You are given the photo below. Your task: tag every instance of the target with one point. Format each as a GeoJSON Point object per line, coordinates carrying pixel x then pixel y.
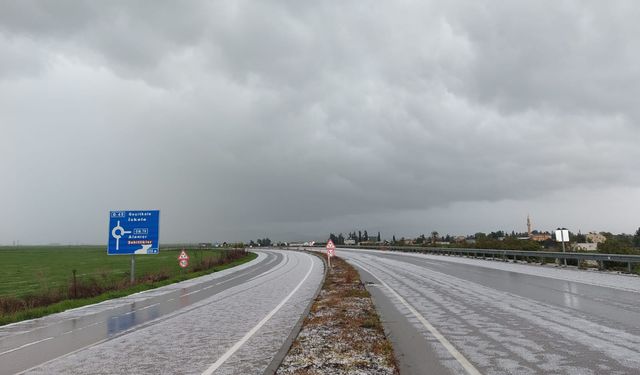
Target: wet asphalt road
{"type": "Point", "coordinates": [490, 317]}
{"type": "Point", "coordinates": [233, 321]}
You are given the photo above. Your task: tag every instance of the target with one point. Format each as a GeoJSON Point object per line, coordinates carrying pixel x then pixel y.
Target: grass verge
{"type": "Point", "coordinates": [147, 282]}
{"type": "Point", "coordinates": [342, 333]}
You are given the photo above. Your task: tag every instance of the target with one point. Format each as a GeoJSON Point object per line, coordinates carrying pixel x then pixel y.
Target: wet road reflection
{"type": "Point", "coordinates": [28, 344]}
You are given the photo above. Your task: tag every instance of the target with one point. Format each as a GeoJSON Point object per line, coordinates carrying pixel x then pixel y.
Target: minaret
{"type": "Point", "coordinates": [528, 225]}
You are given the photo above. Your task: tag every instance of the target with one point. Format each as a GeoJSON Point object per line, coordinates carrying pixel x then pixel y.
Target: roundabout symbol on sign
{"type": "Point", "coordinates": [117, 232]}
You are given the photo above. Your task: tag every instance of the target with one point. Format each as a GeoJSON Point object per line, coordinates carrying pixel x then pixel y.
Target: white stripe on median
{"type": "Point", "coordinates": [471, 370]}
{"type": "Point", "coordinates": [255, 329]}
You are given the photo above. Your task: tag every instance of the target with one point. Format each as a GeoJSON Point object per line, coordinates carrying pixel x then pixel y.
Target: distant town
{"type": "Point", "coordinates": [532, 240]}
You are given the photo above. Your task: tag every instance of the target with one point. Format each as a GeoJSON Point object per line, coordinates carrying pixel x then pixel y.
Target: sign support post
{"type": "Point", "coordinates": [133, 268]}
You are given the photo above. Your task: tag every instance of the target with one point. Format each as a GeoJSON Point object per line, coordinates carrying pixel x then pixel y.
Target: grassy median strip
{"type": "Point", "coordinates": [107, 283]}
{"type": "Point", "coordinates": [342, 333]}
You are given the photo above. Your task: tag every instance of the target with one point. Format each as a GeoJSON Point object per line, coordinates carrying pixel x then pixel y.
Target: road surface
{"type": "Point", "coordinates": [230, 322]}
{"type": "Point", "coordinates": [449, 315]}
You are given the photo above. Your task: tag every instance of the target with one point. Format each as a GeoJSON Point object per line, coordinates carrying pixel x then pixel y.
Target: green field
{"type": "Point", "coordinates": [29, 269]}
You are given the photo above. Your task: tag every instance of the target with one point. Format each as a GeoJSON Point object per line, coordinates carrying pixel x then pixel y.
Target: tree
{"type": "Point", "coordinates": [434, 237]}
{"type": "Point", "coordinates": [394, 238]}
{"type": "Point", "coordinates": [359, 236]}
{"type": "Point", "coordinates": [480, 236]}
{"type": "Point", "coordinates": [264, 242]}
{"type": "Point", "coordinates": [365, 236]}
{"type": "Point", "coordinates": [578, 237]}
{"type": "Point", "coordinates": [616, 245]}
{"type": "Point", "coordinates": [381, 239]}
{"type": "Point", "coordinates": [636, 238]}
{"type": "Point", "coordinates": [340, 239]}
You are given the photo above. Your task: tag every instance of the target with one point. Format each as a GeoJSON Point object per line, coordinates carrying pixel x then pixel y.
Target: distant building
{"type": "Point", "coordinates": [459, 239]}
{"type": "Point", "coordinates": [584, 246]}
{"type": "Point", "coordinates": [350, 242]}
{"type": "Point", "coordinates": [406, 241]}
{"type": "Point", "coordinates": [540, 236]}
{"type": "Point", "coordinates": [205, 245]}
{"type": "Point", "coordinates": [595, 237]}
{"type": "Point", "coordinates": [535, 235]}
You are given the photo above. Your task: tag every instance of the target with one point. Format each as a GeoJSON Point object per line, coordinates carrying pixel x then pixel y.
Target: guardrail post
{"type": "Point", "coordinates": [629, 266]}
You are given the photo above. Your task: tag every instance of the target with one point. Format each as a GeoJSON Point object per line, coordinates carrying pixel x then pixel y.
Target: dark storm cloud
{"type": "Point", "coordinates": [240, 119]}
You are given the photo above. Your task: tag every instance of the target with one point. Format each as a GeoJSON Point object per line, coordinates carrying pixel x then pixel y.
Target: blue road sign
{"type": "Point", "coordinates": [133, 232]}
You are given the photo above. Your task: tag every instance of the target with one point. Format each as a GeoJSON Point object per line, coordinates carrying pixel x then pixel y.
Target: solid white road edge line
{"type": "Point", "coordinates": [450, 348]}
{"type": "Point", "coordinates": [25, 345]}
{"type": "Point", "coordinates": [255, 329]}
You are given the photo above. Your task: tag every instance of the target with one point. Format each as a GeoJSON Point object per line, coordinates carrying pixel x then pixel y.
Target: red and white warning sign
{"type": "Point", "coordinates": [183, 259]}
{"type": "Point", "coordinates": [331, 248]}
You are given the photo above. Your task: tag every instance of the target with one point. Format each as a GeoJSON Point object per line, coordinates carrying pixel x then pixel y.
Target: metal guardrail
{"type": "Point", "coordinates": [506, 254]}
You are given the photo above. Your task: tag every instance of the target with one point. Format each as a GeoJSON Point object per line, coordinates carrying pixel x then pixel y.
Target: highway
{"type": "Point", "coordinates": [230, 322]}
{"type": "Point", "coordinates": [450, 315]}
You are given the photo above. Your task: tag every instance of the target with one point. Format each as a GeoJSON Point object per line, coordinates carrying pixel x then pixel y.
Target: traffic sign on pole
{"type": "Point", "coordinates": [331, 251]}
{"type": "Point", "coordinates": [133, 232]}
{"type": "Point", "coordinates": [183, 255]}
{"type": "Point", "coordinates": [183, 259]}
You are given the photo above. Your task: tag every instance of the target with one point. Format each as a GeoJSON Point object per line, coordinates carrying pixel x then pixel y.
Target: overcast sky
{"type": "Point", "coordinates": [293, 119]}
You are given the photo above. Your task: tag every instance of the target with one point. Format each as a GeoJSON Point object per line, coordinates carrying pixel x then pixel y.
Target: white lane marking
{"type": "Point", "coordinates": [90, 325]}
{"type": "Point", "coordinates": [190, 293]}
{"type": "Point", "coordinates": [255, 329]}
{"type": "Point", "coordinates": [450, 348]}
{"type": "Point", "coordinates": [148, 307]}
{"type": "Point", "coordinates": [280, 265]}
{"type": "Point", "coordinates": [25, 345]}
